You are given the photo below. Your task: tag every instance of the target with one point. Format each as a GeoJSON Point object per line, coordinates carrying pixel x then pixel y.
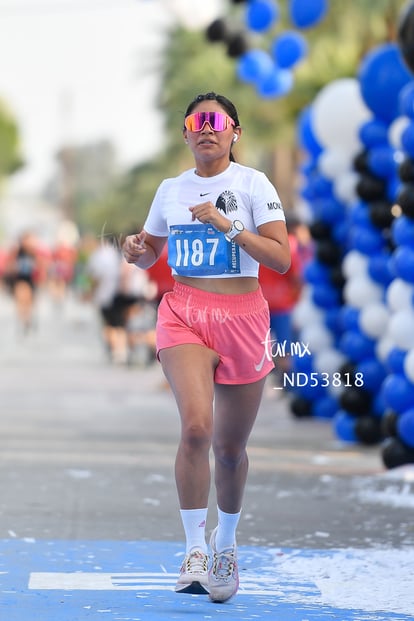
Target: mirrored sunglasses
{"type": "Point", "coordinates": [217, 121]}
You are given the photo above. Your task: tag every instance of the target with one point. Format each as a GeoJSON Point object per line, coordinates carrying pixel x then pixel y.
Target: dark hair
{"type": "Point", "coordinates": [225, 103]}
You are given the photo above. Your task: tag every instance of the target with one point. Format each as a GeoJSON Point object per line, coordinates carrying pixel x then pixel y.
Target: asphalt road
{"type": "Point", "coordinates": [87, 452]}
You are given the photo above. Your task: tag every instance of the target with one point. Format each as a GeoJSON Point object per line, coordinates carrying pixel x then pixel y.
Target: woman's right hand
{"type": "Point", "coordinates": [134, 247]}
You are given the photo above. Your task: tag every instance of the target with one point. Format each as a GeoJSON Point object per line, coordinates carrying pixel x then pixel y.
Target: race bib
{"type": "Point", "coordinates": [201, 250]}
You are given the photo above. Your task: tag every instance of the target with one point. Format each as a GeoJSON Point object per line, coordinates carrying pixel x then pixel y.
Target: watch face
{"type": "Point", "coordinates": [239, 226]}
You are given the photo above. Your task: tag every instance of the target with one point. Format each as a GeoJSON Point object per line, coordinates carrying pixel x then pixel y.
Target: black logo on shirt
{"type": "Point", "coordinates": [204, 193]}
{"type": "Point", "coordinates": [227, 202]}
{"type": "Point", "coordinates": [274, 205]}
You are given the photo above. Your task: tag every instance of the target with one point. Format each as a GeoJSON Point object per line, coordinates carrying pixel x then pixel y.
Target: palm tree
{"type": "Point", "coordinates": [191, 65]}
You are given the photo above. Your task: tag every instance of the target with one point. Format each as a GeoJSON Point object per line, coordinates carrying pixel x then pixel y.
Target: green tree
{"type": "Point", "coordinates": [10, 156]}
{"type": "Point", "coordinates": [192, 65]}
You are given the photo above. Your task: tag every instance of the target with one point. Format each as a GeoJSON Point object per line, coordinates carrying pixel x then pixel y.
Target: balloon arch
{"type": "Point", "coordinates": [357, 310]}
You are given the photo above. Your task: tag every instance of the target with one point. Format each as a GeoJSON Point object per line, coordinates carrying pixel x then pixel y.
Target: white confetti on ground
{"type": "Point", "coordinates": [394, 488]}
{"type": "Point", "coordinates": [369, 580]}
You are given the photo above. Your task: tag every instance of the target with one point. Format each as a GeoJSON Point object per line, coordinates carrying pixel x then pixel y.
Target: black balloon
{"type": "Point", "coordinates": [406, 34]}
{"type": "Point", "coordinates": [405, 199]}
{"type": "Point", "coordinates": [328, 252]}
{"type": "Point", "coordinates": [320, 230]}
{"type": "Point", "coordinates": [395, 454]}
{"type": "Point", "coordinates": [217, 30]}
{"type": "Point", "coordinates": [301, 407]}
{"type": "Point", "coordinates": [406, 170]}
{"type": "Point", "coordinates": [371, 188]}
{"type": "Point", "coordinates": [348, 369]}
{"type": "Point", "coordinates": [389, 424]}
{"type": "Point", "coordinates": [361, 162]}
{"type": "Point", "coordinates": [380, 214]}
{"type": "Point", "coordinates": [336, 276]}
{"type": "Point", "coordinates": [356, 401]}
{"type": "Point", "coordinates": [368, 430]}
{"type": "Point", "coordinates": [237, 45]}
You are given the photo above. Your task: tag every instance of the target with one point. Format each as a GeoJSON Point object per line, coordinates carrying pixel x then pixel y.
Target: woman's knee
{"type": "Point", "coordinates": [196, 436]}
{"type": "Point", "coordinates": [230, 455]}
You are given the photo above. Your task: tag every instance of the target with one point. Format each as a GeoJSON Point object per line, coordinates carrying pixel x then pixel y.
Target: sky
{"type": "Point", "coordinates": [77, 71]}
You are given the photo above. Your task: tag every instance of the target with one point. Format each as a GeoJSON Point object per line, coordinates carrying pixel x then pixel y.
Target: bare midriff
{"type": "Point", "coordinates": [226, 286]}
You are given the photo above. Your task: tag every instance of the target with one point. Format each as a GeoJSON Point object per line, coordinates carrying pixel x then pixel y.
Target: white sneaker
{"type": "Point", "coordinates": [223, 577]}
{"type": "Point", "coordinates": [193, 574]}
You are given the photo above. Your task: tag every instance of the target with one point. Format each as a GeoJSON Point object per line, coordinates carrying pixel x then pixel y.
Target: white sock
{"type": "Point", "coordinates": [194, 522]}
{"type": "Point", "coordinates": [226, 532]}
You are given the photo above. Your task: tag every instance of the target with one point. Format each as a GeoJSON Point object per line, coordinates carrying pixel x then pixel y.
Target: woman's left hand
{"type": "Point", "coordinates": [209, 214]}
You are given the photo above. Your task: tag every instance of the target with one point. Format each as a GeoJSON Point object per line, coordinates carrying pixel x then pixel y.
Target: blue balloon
{"type": "Point", "coordinates": [366, 239]}
{"type": "Point", "coordinates": [398, 392]}
{"type": "Point", "coordinates": [329, 210]}
{"type": "Point", "coordinates": [382, 75]}
{"type": "Point", "coordinates": [305, 14]}
{"type": "Point", "coordinates": [378, 407]}
{"type": "Point", "coordinates": [308, 390]}
{"type": "Point", "coordinates": [325, 407]}
{"type": "Point", "coordinates": [349, 318]}
{"type": "Point", "coordinates": [360, 214]}
{"type": "Point", "coordinates": [405, 427]}
{"type": "Point", "coordinates": [254, 65]}
{"type": "Point", "coordinates": [379, 268]}
{"type": "Point", "coordinates": [373, 373]}
{"type": "Point", "coordinates": [308, 166]}
{"type": "Point", "coordinates": [316, 273]}
{"type": "Point", "coordinates": [374, 133]}
{"type": "Point", "coordinates": [344, 426]}
{"type": "Point", "coordinates": [340, 232]}
{"type": "Point", "coordinates": [319, 185]}
{"type": "Point", "coordinates": [326, 296]}
{"type": "Point", "coordinates": [406, 100]}
{"type": "Point", "coordinates": [382, 161]}
{"type": "Point", "coordinates": [403, 263]}
{"type": "Point", "coordinates": [261, 14]}
{"type": "Point", "coordinates": [393, 187]}
{"type": "Point", "coordinates": [302, 365]}
{"type": "Point", "coordinates": [356, 346]}
{"type": "Point", "coordinates": [395, 360]}
{"type": "Point", "coordinates": [289, 48]}
{"type": "Point", "coordinates": [333, 319]}
{"type": "Point", "coordinates": [322, 185]}
{"type": "Point", "coordinates": [407, 139]}
{"type": "Point", "coordinates": [402, 230]}
{"type": "Point", "coordinates": [277, 83]}
{"type": "Point", "coordinates": [306, 136]}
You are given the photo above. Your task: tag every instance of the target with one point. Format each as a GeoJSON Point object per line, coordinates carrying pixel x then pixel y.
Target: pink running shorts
{"type": "Point", "coordinates": [234, 326]}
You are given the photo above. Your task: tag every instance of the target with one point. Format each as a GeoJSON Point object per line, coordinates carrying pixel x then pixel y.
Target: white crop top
{"type": "Point", "coordinates": [199, 250]}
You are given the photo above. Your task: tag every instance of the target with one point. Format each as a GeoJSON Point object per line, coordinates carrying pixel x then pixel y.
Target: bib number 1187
{"type": "Point", "coordinates": [201, 250]}
{"type": "Point", "coordinates": [192, 252]}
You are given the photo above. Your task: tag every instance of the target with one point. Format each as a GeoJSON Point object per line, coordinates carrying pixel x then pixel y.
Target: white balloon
{"type": "Point", "coordinates": [373, 319]}
{"type": "Point", "coordinates": [328, 361]}
{"type": "Point", "coordinates": [396, 129]}
{"type": "Point", "coordinates": [195, 18]}
{"type": "Point", "coordinates": [306, 312]}
{"type": "Point", "coordinates": [333, 163]}
{"type": "Point", "coordinates": [345, 187]}
{"type": "Point", "coordinates": [360, 291]}
{"type": "Point", "coordinates": [303, 211]}
{"type": "Point", "coordinates": [401, 329]}
{"type": "Point", "coordinates": [409, 365]}
{"type": "Point", "coordinates": [400, 294]}
{"type": "Point", "coordinates": [337, 113]}
{"type": "Point", "coordinates": [383, 347]}
{"type": "Point", "coordinates": [354, 264]}
{"type": "Point", "coordinates": [317, 337]}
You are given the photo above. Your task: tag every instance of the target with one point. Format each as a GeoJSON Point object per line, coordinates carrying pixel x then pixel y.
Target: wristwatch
{"type": "Point", "coordinates": [236, 228]}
